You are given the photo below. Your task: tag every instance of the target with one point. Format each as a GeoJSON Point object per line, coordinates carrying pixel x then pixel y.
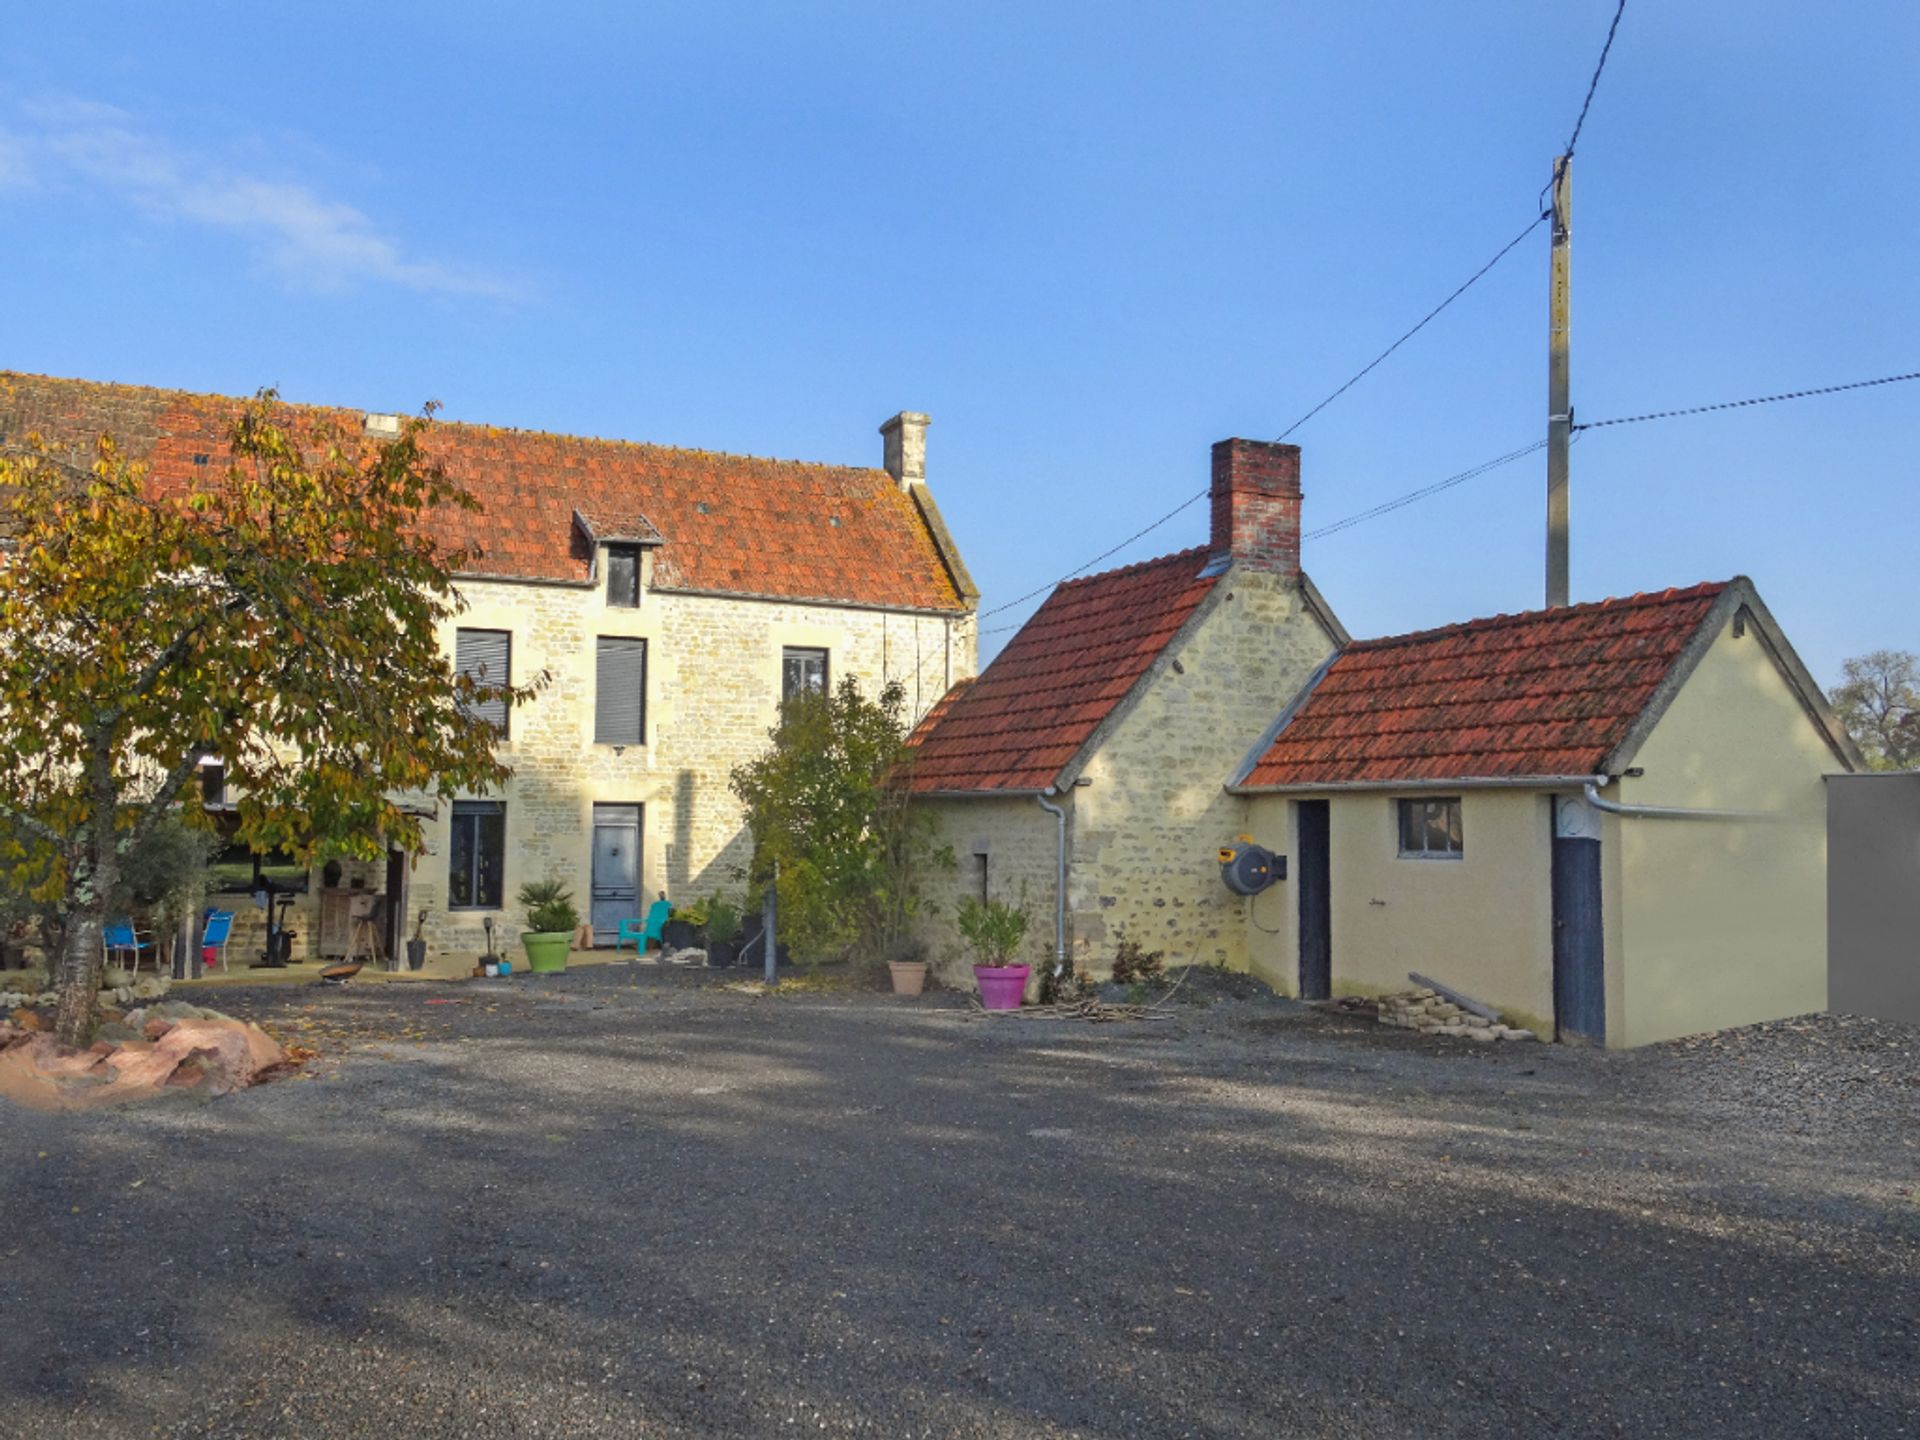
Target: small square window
{"type": "Point", "coordinates": [1430, 829]}
{"type": "Point", "coordinates": [802, 672]}
{"type": "Point", "coordinates": [623, 575]}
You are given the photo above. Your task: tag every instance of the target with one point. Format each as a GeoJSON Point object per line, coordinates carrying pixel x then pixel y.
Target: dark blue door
{"type": "Point", "coordinates": [1579, 971]}
{"type": "Point", "coordinates": [1316, 901]}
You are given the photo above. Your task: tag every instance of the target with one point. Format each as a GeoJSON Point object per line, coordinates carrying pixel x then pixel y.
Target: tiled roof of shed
{"type": "Point", "coordinates": [1546, 692]}
{"type": "Point", "coordinates": [1017, 725]}
{"type": "Point", "coordinates": [731, 523]}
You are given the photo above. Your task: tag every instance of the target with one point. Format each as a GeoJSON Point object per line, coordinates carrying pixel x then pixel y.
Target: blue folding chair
{"type": "Point", "coordinates": [214, 934]}
{"type": "Point", "coordinates": [123, 943]}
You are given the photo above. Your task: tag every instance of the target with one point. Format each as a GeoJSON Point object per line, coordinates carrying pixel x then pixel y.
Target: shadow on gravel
{"type": "Point", "coordinates": [683, 1213]}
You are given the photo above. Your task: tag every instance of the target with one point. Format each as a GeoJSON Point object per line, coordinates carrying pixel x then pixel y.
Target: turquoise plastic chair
{"type": "Point", "coordinates": [643, 933]}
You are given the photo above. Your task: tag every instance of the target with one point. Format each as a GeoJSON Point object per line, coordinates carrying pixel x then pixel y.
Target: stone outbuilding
{"type": "Point", "coordinates": [1081, 773]}
{"type": "Point", "coordinates": [1607, 820]}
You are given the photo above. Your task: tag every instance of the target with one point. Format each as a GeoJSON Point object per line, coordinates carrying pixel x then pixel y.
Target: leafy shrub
{"type": "Point", "coordinates": [549, 907]}
{"type": "Point", "coordinates": [30, 981]}
{"type": "Point", "coordinates": [1133, 963]}
{"type": "Point", "coordinates": [723, 921]}
{"type": "Point", "coordinates": [993, 930]}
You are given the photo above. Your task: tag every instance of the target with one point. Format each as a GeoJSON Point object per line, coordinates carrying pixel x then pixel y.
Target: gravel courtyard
{"type": "Point", "coordinates": [626, 1202]}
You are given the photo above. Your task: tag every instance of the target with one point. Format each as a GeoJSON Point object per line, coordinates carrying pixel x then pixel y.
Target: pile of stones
{"type": "Point", "coordinates": [1431, 1013]}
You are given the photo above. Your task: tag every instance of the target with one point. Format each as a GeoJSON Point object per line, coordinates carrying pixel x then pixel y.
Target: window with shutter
{"type": "Point", "coordinates": [620, 692]}
{"type": "Point", "coordinates": [486, 655]}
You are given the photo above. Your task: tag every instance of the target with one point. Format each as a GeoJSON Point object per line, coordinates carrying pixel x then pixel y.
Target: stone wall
{"type": "Point", "coordinates": [1009, 845]}
{"type": "Point", "coordinates": [712, 696]}
{"type": "Point", "coordinates": [1149, 827]}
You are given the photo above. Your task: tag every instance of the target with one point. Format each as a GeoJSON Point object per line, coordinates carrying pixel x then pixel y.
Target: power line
{"type": "Point", "coordinates": [1367, 369]}
{"type": "Point", "coordinates": [1752, 400]}
{"type": "Point", "coordinates": [1594, 84]}
{"type": "Point", "coordinates": [1137, 535]}
{"type": "Point", "coordinates": [1424, 491]}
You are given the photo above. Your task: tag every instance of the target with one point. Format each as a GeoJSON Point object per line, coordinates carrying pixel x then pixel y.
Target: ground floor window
{"type": "Point", "coordinates": [1430, 829]}
{"type": "Point", "coordinates": [478, 854]}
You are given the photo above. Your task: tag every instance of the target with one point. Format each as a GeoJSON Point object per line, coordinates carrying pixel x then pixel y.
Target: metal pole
{"type": "Point", "coordinates": [1559, 397]}
{"type": "Point", "coordinates": [770, 910]}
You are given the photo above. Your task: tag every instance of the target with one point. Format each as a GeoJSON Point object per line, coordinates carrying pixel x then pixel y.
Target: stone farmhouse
{"type": "Point", "coordinates": [674, 596]}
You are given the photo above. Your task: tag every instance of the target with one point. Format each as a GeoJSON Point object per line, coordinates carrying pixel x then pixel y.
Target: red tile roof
{"type": "Point", "coordinates": [1016, 726]}
{"type": "Point", "coordinates": [1547, 692]}
{"type": "Point", "coordinates": [731, 523]}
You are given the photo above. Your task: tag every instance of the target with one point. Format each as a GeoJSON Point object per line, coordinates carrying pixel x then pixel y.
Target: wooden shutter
{"type": "Point", "coordinates": [620, 692]}
{"type": "Point", "coordinates": [486, 655]}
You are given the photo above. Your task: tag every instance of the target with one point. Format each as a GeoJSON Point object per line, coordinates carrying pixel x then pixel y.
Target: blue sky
{"type": "Point", "coordinates": [1089, 240]}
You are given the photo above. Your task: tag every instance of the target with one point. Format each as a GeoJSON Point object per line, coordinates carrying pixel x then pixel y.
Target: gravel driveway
{"type": "Point", "coordinates": [624, 1202]}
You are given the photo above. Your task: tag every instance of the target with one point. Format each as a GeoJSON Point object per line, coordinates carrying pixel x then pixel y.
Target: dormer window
{"type": "Point", "coordinates": [623, 575]}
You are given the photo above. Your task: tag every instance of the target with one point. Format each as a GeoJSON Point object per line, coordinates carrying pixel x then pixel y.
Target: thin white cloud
{"type": "Point", "coordinates": [311, 239]}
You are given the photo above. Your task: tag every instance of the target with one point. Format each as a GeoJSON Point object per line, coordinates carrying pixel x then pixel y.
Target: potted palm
{"type": "Point", "coordinates": [993, 930]}
{"type": "Point", "coordinates": [551, 921]}
{"type": "Point", "coordinates": [723, 931]}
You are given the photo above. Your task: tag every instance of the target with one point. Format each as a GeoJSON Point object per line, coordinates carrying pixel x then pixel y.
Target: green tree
{"type": "Point", "coordinates": [827, 805]}
{"type": "Point", "coordinates": [282, 614]}
{"type": "Point", "coordinates": [1878, 700]}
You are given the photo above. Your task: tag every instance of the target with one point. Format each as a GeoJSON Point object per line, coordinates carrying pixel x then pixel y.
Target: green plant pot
{"type": "Point", "coordinates": [547, 953]}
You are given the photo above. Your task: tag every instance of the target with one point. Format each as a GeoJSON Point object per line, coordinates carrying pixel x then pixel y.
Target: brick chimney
{"type": "Point", "coordinates": [905, 436]}
{"type": "Point", "coordinates": [1256, 504]}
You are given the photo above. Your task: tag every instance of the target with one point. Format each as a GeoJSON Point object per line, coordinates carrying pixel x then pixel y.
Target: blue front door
{"type": "Point", "coordinates": [616, 869]}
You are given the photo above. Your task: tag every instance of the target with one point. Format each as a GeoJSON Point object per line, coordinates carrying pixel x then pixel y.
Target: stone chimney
{"type": "Point", "coordinates": [906, 439]}
{"type": "Point", "coordinates": [1256, 504]}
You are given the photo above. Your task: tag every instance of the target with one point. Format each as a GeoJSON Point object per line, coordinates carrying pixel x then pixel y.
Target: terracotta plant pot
{"type": "Point", "coordinates": [547, 953]}
{"type": "Point", "coordinates": [1002, 986]}
{"type": "Point", "coordinates": [909, 976]}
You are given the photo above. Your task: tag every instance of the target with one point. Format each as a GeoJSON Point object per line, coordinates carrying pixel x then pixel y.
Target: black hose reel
{"type": "Point", "coordinates": [1248, 868]}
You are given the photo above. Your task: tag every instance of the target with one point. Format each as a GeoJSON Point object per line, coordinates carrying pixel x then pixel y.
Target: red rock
{"type": "Point", "coordinates": [216, 1055]}
{"type": "Point", "coordinates": [156, 1028]}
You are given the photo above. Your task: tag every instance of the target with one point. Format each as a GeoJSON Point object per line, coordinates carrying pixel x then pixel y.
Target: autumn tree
{"type": "Point", "coordinates": [828, 808]}
{"type": "Point", "coordinates": [1878, 700]}
{"type": "Point", "coordinates": [281, 615]}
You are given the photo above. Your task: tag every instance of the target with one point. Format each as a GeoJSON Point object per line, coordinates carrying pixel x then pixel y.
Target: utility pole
{"type": "Point", "coordinates": [1559, 397]}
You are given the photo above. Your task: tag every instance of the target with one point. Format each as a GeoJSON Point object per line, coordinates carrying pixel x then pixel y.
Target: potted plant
{"type": "Point", "coordinates": [723, 931]}
{"type": "Point", "coordinates": [907, 963]}
{"type": "Point", "coordinates": [417, 946]}
{"type": "Point", "coordinates": [993, 930]}
{"type": "Point", "coordinates": [551, 921]}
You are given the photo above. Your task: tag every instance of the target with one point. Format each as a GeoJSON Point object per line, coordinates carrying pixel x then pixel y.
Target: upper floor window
{"type": "Point", "coordinates": [802, 672]}
{"type": "Point", "coordinates": [620, 692]}
{"type": "Point", "coordinates": [1430, 829]}
{"type": "Point", "coordinates": [487, 656]}
{"type": "Point", "coordinates": [623, 575]}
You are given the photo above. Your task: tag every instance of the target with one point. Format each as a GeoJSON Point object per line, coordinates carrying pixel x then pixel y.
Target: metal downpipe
{"type": "Point", "coordinates": [1059, 880]}
{"type": "Point", "coordinates": [1664, 812]}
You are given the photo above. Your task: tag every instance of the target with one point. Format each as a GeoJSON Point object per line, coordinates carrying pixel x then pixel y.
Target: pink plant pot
{"type": "Point", "coordinates": [1001, 986]}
